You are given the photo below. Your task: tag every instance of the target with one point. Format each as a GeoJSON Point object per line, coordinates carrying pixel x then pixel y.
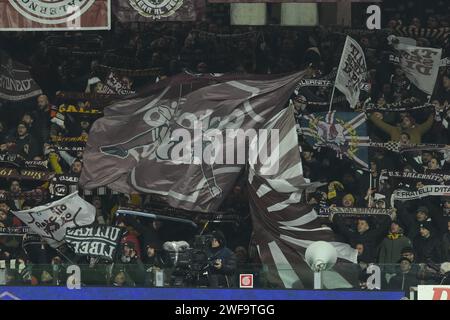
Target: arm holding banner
{"type": "Point", "coordinates": [341, 227]}
{"type": "Point", "coordinates": [382, 230]}
{"type": "Point", "coordinates": [391, 130]}
{"type": "Point", "coordinates": [53, 159]}
{"type": "Point", "coordinates": [424, 127]}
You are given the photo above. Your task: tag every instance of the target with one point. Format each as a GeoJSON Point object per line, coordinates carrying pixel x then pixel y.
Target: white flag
{"type": "Point", "coordinates": [352, 71]}
{"type": "Point", "coordinates": [421, 65]}
{"type": "Point", "coordinates": [50, 221]}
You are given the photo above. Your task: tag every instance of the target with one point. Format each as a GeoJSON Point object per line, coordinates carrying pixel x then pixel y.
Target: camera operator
{"type": "Point", "coordinates": [154, 261]}
{"type": "Point", "coordinates": [222, 262]}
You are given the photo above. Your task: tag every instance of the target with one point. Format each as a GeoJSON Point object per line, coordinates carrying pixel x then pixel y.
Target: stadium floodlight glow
{"type": "Point", "coordinates": [320, 256]}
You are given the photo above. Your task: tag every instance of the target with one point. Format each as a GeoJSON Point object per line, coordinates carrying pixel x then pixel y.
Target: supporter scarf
{"type": "Point", "coordinates": [426, 191]}
{"type": "Point", "coordinates": [92, 100]}
{"type": "Point", "coordinates": [62, 185]}
{"type": "Point", "coordinates": [15, 161]}
{"type": "Point", "coordinates": [324, 84]}
{"type": "Point", "coordinates": [401, 106]}
{"type": "Point", "coordinates": [130, 73]}
{"type": "Point", "coordinates": [430, 177]}
{"type": "Point", "coordinates": [440, 34]}
{"type": "Point", "coordinates": [56, 139]}
{"type": "Point", "coordinates": [14, 231]}
{"type": "Point", "coordinates": [70, 148]}
{"type": "Point", "coordinates": [395, 146]}
{"type": "Point", "coordinates": [69, 108]}
{"type": "Point", "coordinates": [215, 36]}
{"type": "Point", "coordinates": [38, 194]}
{"type": "Point", "coordinates": [24, 174]}
{"type": "Point", "coordinates": [355, 212]}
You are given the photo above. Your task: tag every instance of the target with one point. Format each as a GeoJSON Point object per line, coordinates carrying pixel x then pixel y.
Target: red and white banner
{"type": "Point", "coordinates": [40, 15]}
{"type": "Point", "coordinates": [430, 292]}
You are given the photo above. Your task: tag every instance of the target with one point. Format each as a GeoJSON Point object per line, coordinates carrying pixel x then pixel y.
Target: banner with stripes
{"type": "Point", "coordinates": [284, 226]}
{"type": "Point", "coordinates": [344, 132]}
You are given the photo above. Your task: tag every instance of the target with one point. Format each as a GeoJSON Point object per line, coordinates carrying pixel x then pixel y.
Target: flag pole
{"type": "Point", "coordinates": [332, 95]}
{"type": "Point", "coordinates": [370, 188]}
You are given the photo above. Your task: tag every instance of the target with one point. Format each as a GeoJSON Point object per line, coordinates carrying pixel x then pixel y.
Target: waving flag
{"type": "Point", "coordinates": [352, 71]}
{"type": "Point", "coordinates": [344, 132]}
{"type": "Point", "coordinates": [284, 226]}
{"type": "Point", "coordinates": [421, 65]}
{"type": "Point", "coordinates": [16, 82]}
{"type": "Point", "coordinates": [50, 221]}
{"type": "Point", "coordinates": [136, 146]}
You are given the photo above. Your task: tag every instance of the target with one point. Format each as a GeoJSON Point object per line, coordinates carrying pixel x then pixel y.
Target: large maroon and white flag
{"type": "Point", "coordinates": [182, 143]}
{"type": "Point", "coordinates": [45, 15]}
{"type": "Point", "coordinates": [284, 225]}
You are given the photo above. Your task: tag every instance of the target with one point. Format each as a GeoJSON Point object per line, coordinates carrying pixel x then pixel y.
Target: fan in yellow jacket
{"type": "Point", "coordinates": [415, 131]}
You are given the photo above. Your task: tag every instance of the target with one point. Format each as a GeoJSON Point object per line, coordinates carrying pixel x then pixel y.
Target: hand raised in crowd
{"type": "Point", "coordinates": [378, 115]}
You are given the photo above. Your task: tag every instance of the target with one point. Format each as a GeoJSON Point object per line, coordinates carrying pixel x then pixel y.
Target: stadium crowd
{"type": "Point", "coordinates": [412, 245]}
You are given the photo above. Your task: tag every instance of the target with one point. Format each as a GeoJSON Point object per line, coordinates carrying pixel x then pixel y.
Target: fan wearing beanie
{"type": "Point", "coordinates": [222, 262]}
{"type": "Point", "coordinates": [427, 245]}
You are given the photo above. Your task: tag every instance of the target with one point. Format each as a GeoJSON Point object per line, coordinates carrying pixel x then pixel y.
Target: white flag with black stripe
{"type": "Point", "coordinates": [50, 221]}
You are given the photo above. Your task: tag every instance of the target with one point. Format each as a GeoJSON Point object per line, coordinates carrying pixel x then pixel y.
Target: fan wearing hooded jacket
{"type": "Point", "coordinates": [223, 262]}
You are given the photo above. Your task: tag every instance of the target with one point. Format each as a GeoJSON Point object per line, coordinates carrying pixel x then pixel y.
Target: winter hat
{"type": "Point", "coordinates": [423, 209]}
{"type": "Point", "coordinates": [312, 57]}
{"type": "Point", "coordinates": [129, 244]}
{"type": "Point", "coordinates": [21, 123]}
{"type": "Point", "coordinates": [403, 259]}
{"type": "Point", "coordinates": [407, 250]}
{"type": "Point", "coordinates": [426, 225]}
{"type": "Point", "coordinates": [219, 236]}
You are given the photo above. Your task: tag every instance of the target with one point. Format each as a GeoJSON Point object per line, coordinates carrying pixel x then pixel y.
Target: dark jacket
{"type": "Point", "coordinates": [428, 249]}
{"type": "Point", "coordinates": [369, 239]}
{"type": "Point", "coordinates": [224, 275]}
{"type": "Point", "coordinates": [446, 247]}
{"type": "Point", "coordinates": [391, 247]}
{"type": "Point", "coordinates": [148, 235]}
{"type": "Point", "coordinates": [403, 281]}
{"type": "Point", "coordinates": [27, 146]}
{"type": "Point", "coordinates": [407, 217]}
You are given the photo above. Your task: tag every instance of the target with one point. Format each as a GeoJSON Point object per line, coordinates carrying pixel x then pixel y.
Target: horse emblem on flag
{"type": "Point", "coordinates": [344, 132]}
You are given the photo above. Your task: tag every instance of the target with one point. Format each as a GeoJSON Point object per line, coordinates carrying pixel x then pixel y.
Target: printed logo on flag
{"type": "Point", "coordinates": [156, 9]}
{"type": "Point", "coordinates": [55, 15]}
{"type": "Point", "coordinates": [52, 12]}
{"type": "Point", "coordinates": [245, 281]}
